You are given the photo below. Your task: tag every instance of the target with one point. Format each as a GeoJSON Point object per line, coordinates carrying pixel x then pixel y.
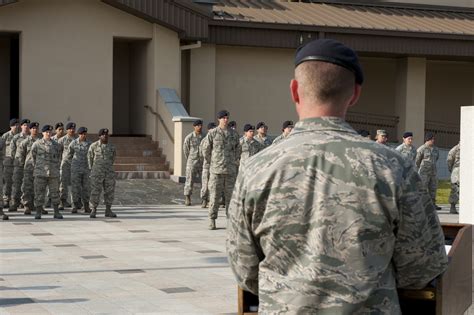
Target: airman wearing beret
{"type": "Point", "coordinates": [2, 153]}
{"type": "Point", "coordinates": [193, 159]}
{"type": "Point", "coordinates": [407, 149]}
{"type": "Point", "coordinates": [59, 128]}
{"type": "Point", "coordinates": [7, 138]}
{"type": "Point", "coordinates": [64, 187]}
{"type": "Point", "coordinates": [261, 136]}
{"type": "Point", "coordinates": [426, 157]}
{"type": "Point", "coordinates": [286, 128]}
{"type": "Point", "coordinates": [205, 169]}
{"type": "Point", "coordinates": [17, 177]}
{"type": "Point", "coordinates": [248, 145]}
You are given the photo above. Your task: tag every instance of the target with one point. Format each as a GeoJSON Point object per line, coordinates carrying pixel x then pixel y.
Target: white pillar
{"type": "Point", "coordinates": [466, 195]}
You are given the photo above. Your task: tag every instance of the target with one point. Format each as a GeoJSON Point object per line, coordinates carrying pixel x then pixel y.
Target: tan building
{"type": "Point", "coordinates": [102, 63]}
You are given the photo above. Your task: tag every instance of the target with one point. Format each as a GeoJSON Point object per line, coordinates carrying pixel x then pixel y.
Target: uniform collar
{"type": "Point", "coordinates": [327, 123]}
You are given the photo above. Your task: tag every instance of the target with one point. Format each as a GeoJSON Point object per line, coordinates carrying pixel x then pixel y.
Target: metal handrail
{"type": "Point", "coordinates": [170, 135]}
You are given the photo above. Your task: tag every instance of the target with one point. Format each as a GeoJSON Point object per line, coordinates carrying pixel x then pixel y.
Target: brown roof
{"type": "Point", "coordinates": [362, 17]}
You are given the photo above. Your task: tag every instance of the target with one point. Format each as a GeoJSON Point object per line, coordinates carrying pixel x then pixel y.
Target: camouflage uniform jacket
{"type": "Point", "coordinates": [222, 151]}
{"type": "Point", "coordinates": [279, 138]}
{"type": "Point", "coordinates": [55, 137]}
{"type": "Point", "coordinates": [17, 139]}
{"type": "Point", "coordinates": [426, 158]}
{"type": "Point", "coordinates": [249, 148]}
{"type": "Point", "coordinates": [407, 151]}
{"type": "Point", "coordinates": [454, 163]}
{"type": "Point", "coordinates": [329, 221]}
{"type": "Point", "coordinates": [191, 147]}
{"type": "Point", "coordinates": [46, 156]}
{"type": "Point", "coordinates": [101, 158]}
{"type": "Point", "coordinates": [205, 164]}
{"type": "Point", "coordinates": [23, 149]}
{"type": "Point", "coordinates": [7, 138]}
{"type": "Point", "coordinates": [263, 140]}
{"type": "Point", "coordinates": [77, 155]}
{"type": "Point", "coordinates": [65, 141]}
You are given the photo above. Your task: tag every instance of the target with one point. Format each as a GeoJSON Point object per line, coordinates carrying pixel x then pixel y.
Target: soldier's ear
{"type": "Point", "coordinates": [294, 91]}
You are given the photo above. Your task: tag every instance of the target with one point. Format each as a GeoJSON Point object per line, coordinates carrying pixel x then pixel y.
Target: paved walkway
{"type": "Point", "coordinates": [151, 259]}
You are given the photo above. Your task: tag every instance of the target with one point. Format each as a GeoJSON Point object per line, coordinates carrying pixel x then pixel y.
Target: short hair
{"type": "Point", "coordinates": [325, 83]}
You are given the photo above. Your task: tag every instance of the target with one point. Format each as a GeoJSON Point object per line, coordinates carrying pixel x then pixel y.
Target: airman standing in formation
{"type": "Point", "coordinates": [193, 159]}
{"type": "Point", "coordinates": [77, 157]}
{"type": "Point", "coordinates": [101, 158]}
{"type": "Point", "coordinates": [59, 131]}
{"type": "Point", "coordinates": [262, 134]}
{"type": "Point", "coordinates": [205, 169]}
{"type": "Point", "coordinates": [426, 157]}
{"type": "Point", "coordinates": [286, 128]}
{"type": "Point", "coordinates": [453, 161]}
{"type": "Point", "coordinates": [248, 145]}
{"type": "Point", "coordinates": [65, 141]}
{"type": "Point", "coordinates": [407, 149]}
{"type": "Point", "coordinates": [46, 158]}
{"type": "Point", "coordinates": [7, 138]}
{"type": "Point", "coordinates": [17, 177]}
{"type": "Point", "coordinates": [381, 136]}
{"type": "Point", "coordinates": [222, 151]}
{"type": "Point", "coordinates": [2, 153]}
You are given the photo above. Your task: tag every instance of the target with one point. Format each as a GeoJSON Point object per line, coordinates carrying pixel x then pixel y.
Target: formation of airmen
{"type": "Point", "coordinates": [38, 166]}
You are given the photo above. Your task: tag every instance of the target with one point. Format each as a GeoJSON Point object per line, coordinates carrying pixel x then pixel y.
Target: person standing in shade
{"type": "Point", "coordinates": [2, 154]}
{"type": "Point", "coordinates": [7, 138]}
{"type": "Point", "coordinates": [381, 137]}
{"type": "Point", "coordinates": [193, 159]}
{"type": "Point", "coordinates": [46, 158]}
{"type": "Point", "coordinates": [286, 128]}
{"type": "Point", "coordinates": [327, 222]}
{"type": "Point", "coordinates": [205, 169]}
{"type": "Point", "coordinates": [426, 157]}
{"type": "Point", "coordinates": [101, 158]}
{"type": "Point", "coordinates": [59, 128]}
{"type": "Point", "coordinates": [17, 177]}
{"type": "Point", "coordinates": [454, 162]}
{"type": "Point", "coordinates": [65, 141]}
{"type": "Point", "coordinates": [248, 145]}
{"type": "Point", "coordinates": [222, 152]}
{"type": "Point", "coordinates": [80, 182]}
{"type": "Point", "coordinates": [407, 149]}
{"type": "Point", "coordinates": [262, 134]}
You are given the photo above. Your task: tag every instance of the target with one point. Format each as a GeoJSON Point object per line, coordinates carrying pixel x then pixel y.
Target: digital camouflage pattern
{"type": "Point", "coordinates": [426, 158]}
{"type": "Point", "coordinates": [407, 151]}
{"type": "Point", "coordinates": [65, 141]}
{"type": "Point", "coordinates": [222, 151]}
{"type": "Point", "coordinates": [7, 138]}
{"type": "Point", "coordinates": [248, 148]}
{"type": "Point", "coordinates": [265, 141]}
{"type": "Point", "coordinates": [193, 161]}
{"type": "Point", "coordinates": [328, 222]}
{"type": "Point", "coordinates": [280, 138]}
{"type": "Point", "coordinates": [454, 161]}
{"type": "Point", "coordinates": [27, 186]}
{"type": "Point", "coordinates": [205, 172]}
{"type": "Point", "coordinates": [21, 150]}
{"type": "Point", "coordinates": [101, 159]}
{"type": "Point", "coordinates": [46, 158]}
{"type": "Point", "coordinates": [77, 157]}
{"type": "Point", "coordinates": [2, 154]}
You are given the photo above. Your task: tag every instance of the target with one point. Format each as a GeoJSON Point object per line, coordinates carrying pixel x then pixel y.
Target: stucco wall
{"type": "Point", "coordinates": [66, 57]}
{"type": "Point", "coordinates": [4, 83]}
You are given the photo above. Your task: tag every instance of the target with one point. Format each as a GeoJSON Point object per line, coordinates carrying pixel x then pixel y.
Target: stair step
{"type": "Point", "coordinates": [143, 175]}
{"type": "Point", "coordinates": [133, 152]}
{"type": "Point", "coordinates": [140, 167]}
{"type": "Point", "coordinates": [139, 160]}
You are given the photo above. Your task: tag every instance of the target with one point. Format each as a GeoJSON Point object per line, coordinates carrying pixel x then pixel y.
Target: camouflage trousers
{"type": "Point", "coordinates": [218, 184]}
{"type": "Point", "coordinates": [41, 183]}
{"type": "Point", "coordinates": [8, 182]}
{"type": "Point", "coordinates": [80, 188]}
{"type": "Point", "coordinates": [454, 195]}
{"type": "Point", "coordinates": [193, 175]}
{"type": "Point", "coordinates": [16, 186]}
{"type": "Point", "coordinates": [65, 181]}
{"type": "Point", "coordinates": [28, 189]}
{"type": "Point", "coordinates": [431, 183]}
{"type": "Point", "coordinates": [204, 184]}
{"type": "Point", "coordinates": [99, 182]}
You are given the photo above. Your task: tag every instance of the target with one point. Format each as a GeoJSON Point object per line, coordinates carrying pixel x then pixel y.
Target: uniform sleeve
{"type": "Point", "coordinates": [186, 147]}
{"type": "Point", "coordinates": [20, 154]}
{"type": "Point", "coordinates": [419, 157]}
{"type": "Point", "coordinates": [419, 254]}
{"type": "Point", "coordinates": [13, 147]}
{"type": "Point", "coordinates": [243, 253]}
{"type": "Point", "coordinates": [70, 152]}
{"type": "Point", "coordinates": [114, 154]}
{"type": "Point", "coordinates": [207, 148]}
{"type": "Point", "coordinates": [450, 159]}
{"type": "Point", "coordinates": [238, 150]}
{"type": "Point", "coordinates": [90, 156]}
{"type": "Point", "coordinates": [33, 152]}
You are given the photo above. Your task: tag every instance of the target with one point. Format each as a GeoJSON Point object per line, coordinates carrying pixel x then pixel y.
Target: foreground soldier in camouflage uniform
{"type": "Point", "coordinates": [46, 158]}
{"type": "Point", "coordinates": [77, 157]}
{"type": "Point", "coordinates": [327, 222]}
{"type": "Point", "coordinates": [453, 161]}
{"type": "Point", "coordinates": [222, 151]}
{"type": "Point", "coordinates": [426, 157]}
{"type": "Point", "coordinates": [7, 138]}
{"type": "Point", "coordinates": [101, 157]}
{"type": "Point", "coordinates": [18, 165]}
{"type": "Point", "coordinates": [205, 169]}
{"type": "Point", "coordinates": [286, 128]}
{"type": "Point", "coordinates": [66, 166]}
{"type": "Point", "coordinates": [248, 145]}
{"type": "Point", "coordinates": [407, 149]}
{"type": "Point", "coordinates": [2, 153]}
{"type": "Point", "coordinates": [193, 159]}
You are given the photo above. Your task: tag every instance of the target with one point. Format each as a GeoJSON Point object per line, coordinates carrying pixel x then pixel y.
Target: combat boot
{"type": "Point", "coordinates": [4, 216]}
{"type": "Point", "coordinates": [453, 209]}
{"type": "Point", "coordinates": [57, 214]}
{"type": "Point", "coordinates": [204, 203]}
{"type": "Point", "coordinates": [87, 209]}
{"type": "Point", "coordinates": [38, 213]}
{"type": "Point", "coordinates": [108, 212]}
{"type": "Point", "coordinates": [6, 204]}
{"type": "Point", "coordinates": [212, 224]}
{"type": "Point", "coordinates": [66, 204]}
{"type": "Point", "coordinates": [93, 213]}
{"type": "Point", "coordinates": [74, 210]}
{"type": "Point", "coordinates": [187, 201]}
{"type": "Point", "coordinates": [27, 210]}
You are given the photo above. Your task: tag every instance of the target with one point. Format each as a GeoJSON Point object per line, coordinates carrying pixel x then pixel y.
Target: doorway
{"type": "Point", "coordinates": [9, 78]}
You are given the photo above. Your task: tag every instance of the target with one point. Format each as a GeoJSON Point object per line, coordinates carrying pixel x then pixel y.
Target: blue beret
{"type": "Point", "coordinates": [34, 125]}
{"type": "Point", "coordinates": [211, 125]}
{"type": "Point", "coordinates": [13, 122]}
{"type": "Point", "coordinates": [287, 123]}
{"type": "Point", "coordinates": [222, 113]}
{"type": "Point", "coordinates": [25, 121]}
{"type": "Point", "coordinates": [408, 134]}
{"type": "Point", "coordinates": [81, 130]}
{"type": "Point", "coordinates": [364, 133]}
{"type": "Point", "coordinates": [429, 136]}
{"type": "Point", "coordinates": [59, 125]}
{"type": "Point", "coordinates": [332, 51]}
{"type": "Point", "coordinates": [71, 125]}
{"type": "Point", "coordinates": [103, 131]}
{"type": "Point", "coordinates": [197, 122]}
{"type": "Point", "coordinates": [47, 128]}
{"type": "Point", "coordinates": [233, 123]}
{"type": "Point", "coordinates": [248, 127]}
{"type": "Point", "coordinates": [260, 125]}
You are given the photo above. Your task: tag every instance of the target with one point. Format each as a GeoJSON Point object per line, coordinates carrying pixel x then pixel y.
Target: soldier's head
{"type": "Point", "coordinates": [46, 131]}
{"type": "Point", "coordinates": [34, 129]}
{"type": "Point", "coordinates": [211, 126]}
{"type": "Point", "coordinates": [25, 126]}
{"type": "Point", "coordinates": [262, 128]}
{"type": "Point", "coordinates": [71, 129]}
{"type": "Point", "coordinates": [223, 118]}
{"type": "Point", "coordinates": [381, 136]}
{"type": "Point", "coordinates": [429, 139]}
{"type": "Point", "coordinates": [59, 127]}
{"type": "Point", "coordinates": [82, 131]}
{"type": "Point", "coordinates": [328, 79]}
{"type": "Point", "coordinates": [104, 135]}
{"type": "Point", "coordinates": [14, 124]}
{"type": "Point", "coordinates": [287, 127]}
{"type": "Point", "coordinates": [249, 131]}
{"type": "Point", "coordinates": [197, 125]}
{"type": "Point", "coordinates": [408, 138]}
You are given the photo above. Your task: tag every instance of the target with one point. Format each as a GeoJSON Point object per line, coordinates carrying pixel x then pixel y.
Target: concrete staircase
{"type": "Point", "coordinates": [138, 157]}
